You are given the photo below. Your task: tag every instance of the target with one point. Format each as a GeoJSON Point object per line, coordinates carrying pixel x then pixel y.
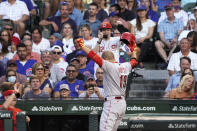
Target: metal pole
{"type": "Point", "coordinates": [21, 121]}
{"type": "Point", "coordinates": [93, 121]}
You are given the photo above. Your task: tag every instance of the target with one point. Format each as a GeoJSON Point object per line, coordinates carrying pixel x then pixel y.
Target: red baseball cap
{"type": "Point", "coordinates": [105, 25]}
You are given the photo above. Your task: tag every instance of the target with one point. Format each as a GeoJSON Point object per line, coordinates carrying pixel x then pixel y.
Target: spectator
{"type": "Point", "coordinates": [30, 54]}
{"type": "Point", "coordinates": [114, 8]}
{"type": "Point", "coordinates": [35, 92]}
{"type": "Point", "coordinates": [67, 34]}
{"type": "Point", "coordinates": [12, 65]}
{"type": "Point", "coordinates": [162, 3]}
{"type": "Point", "coordinates": [77, 48]}
{"type": "Point", "coordinates": [64, 92]}
{"type": "Point", "coordinates": [185, 90]}
{"type": "Point", "coordinates": [192, 38]}
{"type": "Point", "coordinates": [101, 15]}
{"type": "Point", "coordinates": [58, 21]}
{"type": "Point", "coordinates": [75, 86]}
{"type": "Point", "coordinates": [57, 51]}
{"type": "Point", "coordinates": [86, 69]}
{"type": "Point", "coordinates": [174, 62]}
{"type": "Point", "coordinates": [27, 36]}
{"type": "Point", "coordinates": [125, 13]}
{"type": "Point", "coordinates": [169, 30]}
{"type": "Point", "coordinates": [74, 13]}
{"type": "Point", "coordinates": [86, 32]}
{"type": "Point", "coordinates": [115, 19]}
{"type": "Point", "coordinates": [4, 52]}
{"type": "Point", "coordinates": [99, 76]}
{"type": "Point", "coordinates": [154, 5]}
{"type": "Point", "coordinates": [24, 65]}
{"type": "Point", "coordinates": [190, 27]}
{"type": "Point", "coordinates": [54, 72]}
{"type": "Point", "coordinates": [143, 29]}
{"type": "Point", "coordinates": [8, 8]}
{"type": "Point", "coordinates": [39, 43]}
{"type": "Point", "coordinates": [79, 4]}
{"type": "Point", "coordinates": [38, 69]}
{"type": "Point", "coordinates": [10, 27]}
{"type": "Point", "coordinates": [92, 20]}
{"type": "Point", "coordinates": [151, 14]}
{"type": "Point", "coordinates": [178, 13]}
{"type": "Point", "coordinates": [92, 91]}
{"type": "Point", "coordinates": [194, 14]}
{"type": "Point", "coordinates": [104, 5]}
{"type": "Point", "coordinates": [132, 5]}
{"type": "Point", "coordinates": [5, 35]}
{"type": "Point", "coordinates": [185, 63]}
{"type": "Point", "coordinates": [54, 37]}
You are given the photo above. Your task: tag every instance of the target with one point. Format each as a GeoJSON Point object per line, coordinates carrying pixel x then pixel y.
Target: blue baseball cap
{"type": "Point", "coordinates": [141, 7]}
{"type": "Point", "coordinates": [88, 77]}
{"type": "Point", "coordinates": [59, 43]}
{"type": "Point", "coordinates": [114, 14]}
{"type": "Point", "coordinates": [80, 53]}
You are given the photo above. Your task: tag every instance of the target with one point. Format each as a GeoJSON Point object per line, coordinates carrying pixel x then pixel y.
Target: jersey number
{"type": "Point", "coordinates": [123, 81]}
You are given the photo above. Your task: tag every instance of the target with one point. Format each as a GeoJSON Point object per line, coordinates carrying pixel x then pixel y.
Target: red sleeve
{"type": "Point", "coordinates": [92, 55]}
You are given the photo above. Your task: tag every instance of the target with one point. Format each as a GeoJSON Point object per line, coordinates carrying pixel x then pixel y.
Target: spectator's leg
{"type": "Point", "coordinates": [20, 28]}
{"type": "Point", "coordinates": [160, 48]}
{"type": "Point", "coordinates": [144, 50]}
{"type": "Point", "coordinates": [47, 9]}
{"type": "Point", "coordinates": [54, 6]}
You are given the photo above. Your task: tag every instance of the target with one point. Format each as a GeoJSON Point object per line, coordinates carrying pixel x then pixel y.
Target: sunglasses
{"type": "Point", "coordinates": [58, 53]}
{"type": "Point", "coordinates": [10, 29]}
{"type": "Point", "coordinates": [69, 71]}
{"type": "Point", "coordinates": [4, 35]}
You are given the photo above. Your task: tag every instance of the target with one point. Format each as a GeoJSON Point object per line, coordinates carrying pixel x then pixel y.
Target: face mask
{"type": "Point", "coordinates": [12, 79]}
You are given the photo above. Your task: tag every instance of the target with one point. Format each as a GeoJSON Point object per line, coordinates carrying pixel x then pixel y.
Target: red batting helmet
{"type": "Point", "coordinates": [128, 39]}
{"type": "Point", "coordinates": [105, 25]}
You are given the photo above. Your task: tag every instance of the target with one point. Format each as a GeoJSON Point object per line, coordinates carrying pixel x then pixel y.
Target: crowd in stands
{"type": "Point", "coordinates": [39, 50]}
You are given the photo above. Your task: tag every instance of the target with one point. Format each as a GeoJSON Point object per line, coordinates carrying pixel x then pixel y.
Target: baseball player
{"type": "Point", "coordinates": [114, 82]}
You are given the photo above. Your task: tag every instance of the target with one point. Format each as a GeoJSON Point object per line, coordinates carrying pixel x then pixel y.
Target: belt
{"type": "Point", "coordinates": [113, 97]}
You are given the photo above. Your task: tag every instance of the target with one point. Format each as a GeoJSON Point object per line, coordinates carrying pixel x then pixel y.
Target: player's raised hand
{"type": "Point", "coordinates": [80, 42]}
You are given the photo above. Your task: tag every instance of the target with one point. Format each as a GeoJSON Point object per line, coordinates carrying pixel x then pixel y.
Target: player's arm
{"type": "Point", "coordinates": [91, 54]}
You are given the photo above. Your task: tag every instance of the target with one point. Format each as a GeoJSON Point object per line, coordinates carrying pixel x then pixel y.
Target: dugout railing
{"type": "Point", "coordinates": [92, 110]}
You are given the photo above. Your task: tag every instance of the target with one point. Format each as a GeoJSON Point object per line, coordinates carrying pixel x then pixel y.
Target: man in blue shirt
{"type": "Point", "coordinates": [74, 13]}
{"type": "Point", "coordinates": [24, 66]}
{"type": "Point", "coordinates": [75, 86]}
{"type": "Point", "coordinates": [169, 30]}
{"type": "Point", "coordinates": [58, 21]}
{"type": "Point", "coordinates": [92, 20]}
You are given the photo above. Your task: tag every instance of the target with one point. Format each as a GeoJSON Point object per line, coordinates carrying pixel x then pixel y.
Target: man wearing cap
{"type": "Point", "coordinates": [106, 42]}
{"type": "Point", "coordinates": [20, 78]}
{"type": "Point", "coordinates": [56, 58]}
{"type": "Point", "coordinates": [58, 21]}
{"type": "Point", "coordinates": [178, 12]}
{"type": "Point", "coordinates": [92, 91]}
{"type": "Point", "coordinates": [54, 37]}
{"type": "Point", "coordinates": [169, 29]}
{"type": "Point", "coordinates": [92, 20]}
{"type": "Point", "coordinates": [75, 85]}
{"type": "Point", "coordinates": [30, 53]}
{"type": "Point", "coordinates": [85, 68]}
{"type": "Point", "coordinates": [64, 92]}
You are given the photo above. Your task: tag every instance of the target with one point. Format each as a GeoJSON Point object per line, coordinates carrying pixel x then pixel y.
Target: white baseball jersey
{"type": "Point", "coordinates": [115, 78]}
{"type": "Point", "coordinates": [113, 44]}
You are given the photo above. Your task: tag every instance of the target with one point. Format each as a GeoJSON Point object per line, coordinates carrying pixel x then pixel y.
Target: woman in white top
{"type": "Point", "coordinates": [67, 34]}
{"type": "Point", "coordinates": [143, 29]}
{"type": "Point", "coordinates": [86, 33]}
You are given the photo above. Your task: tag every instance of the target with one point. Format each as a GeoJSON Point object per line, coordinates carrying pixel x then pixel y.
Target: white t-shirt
{"type": "Point", "coordinates": [91, 43]}
{"type": "Point", "coordinates": [43, 45]}
{"type": "Point", "coordinates": [68, 45]}
{"type": "Point", "coordinates": [62, 65]}
{"type": "Point", "coordinates": [174, 63]}
{"type": "Point", "coordinates": [145, 28]}
{"type": "Point", "coordinates": [15, 11]}
{"type": "Point", "coordinates": [113, 44]}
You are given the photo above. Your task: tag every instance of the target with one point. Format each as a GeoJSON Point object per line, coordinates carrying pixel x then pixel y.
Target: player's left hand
{"type": "Point", "coordinates": [80, 42]}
